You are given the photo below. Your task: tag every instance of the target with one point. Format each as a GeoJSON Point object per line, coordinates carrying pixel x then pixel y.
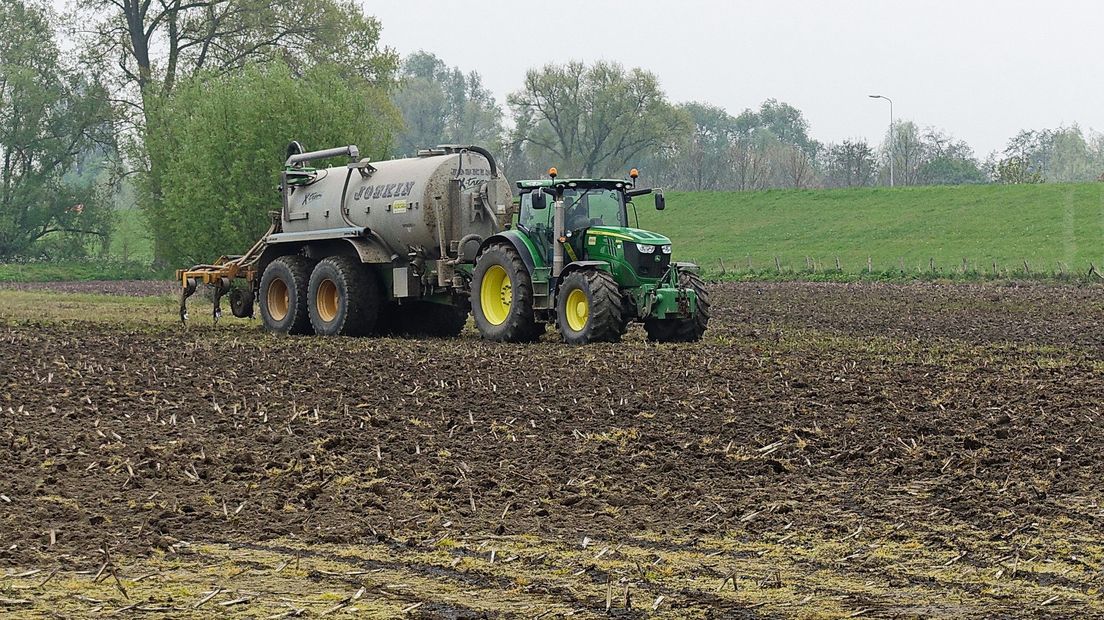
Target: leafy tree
{"type": "Point", "coordinates": [1071, 160]}
{"type": "Point", "coordinates": [221, 140]}
{"type": "Point", "coordinates": [50, 117]}
{"type": "Point", "coordinates": [593, 121]}
{"type": "Point", "coordinates": [144, 48]}
{"type": "Point", "coordinates": [700, 158]}
{"type": "Point", "coordinates": [850, 164]}
{"type": "Point", "coordinates": [443, 105]}
{"type": "Point", "coordinates": [947, 161]}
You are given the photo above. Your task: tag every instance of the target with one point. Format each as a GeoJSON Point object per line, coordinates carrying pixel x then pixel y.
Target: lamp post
{"type": "Point", "coordinates": [892, 138]}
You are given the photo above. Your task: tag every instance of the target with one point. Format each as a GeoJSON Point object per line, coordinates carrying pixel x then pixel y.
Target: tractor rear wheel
{"type": "Point", "coordinates": [679, 329]}
{"type": "Point", "coordinates": [588, 308]}
{"type": "Point", "coordinates": [283, 293]}
{"type": "Point", "coordinates": [343, 298]}
{"type": "Point", "coordinates": [502, 296]}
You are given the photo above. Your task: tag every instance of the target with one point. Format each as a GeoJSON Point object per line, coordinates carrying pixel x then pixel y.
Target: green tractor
{"type": "Point", "coordinates": [573, 260]}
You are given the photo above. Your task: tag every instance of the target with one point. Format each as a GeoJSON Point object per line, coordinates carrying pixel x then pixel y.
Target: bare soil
{"type": "Point", "coordinates": [939, 442]}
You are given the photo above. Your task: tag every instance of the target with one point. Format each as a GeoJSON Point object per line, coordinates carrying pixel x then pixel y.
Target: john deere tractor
{"type": "Point", "coordinates": [572, 259]}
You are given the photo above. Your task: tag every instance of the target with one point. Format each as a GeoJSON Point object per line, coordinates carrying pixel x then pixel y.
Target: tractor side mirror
{"type": "Point", "coordinates": [660, 201]}
{"type": "Point", "coordinates": [540, 199]}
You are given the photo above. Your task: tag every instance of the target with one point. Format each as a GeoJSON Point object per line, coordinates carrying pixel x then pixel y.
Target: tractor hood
{"type": "Point", "coordinates": [629, 234]}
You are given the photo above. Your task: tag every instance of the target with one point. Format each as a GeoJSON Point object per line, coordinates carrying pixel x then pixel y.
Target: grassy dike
{"type": "Point", "coordinates": [992, 229]}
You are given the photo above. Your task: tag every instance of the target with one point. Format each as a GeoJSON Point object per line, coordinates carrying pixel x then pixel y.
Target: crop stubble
{"type": "Point", "coordinates": [877, 450]}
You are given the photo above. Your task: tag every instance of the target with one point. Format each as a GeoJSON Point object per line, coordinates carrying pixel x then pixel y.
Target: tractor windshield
{"type": "Point", "coordinates": [593, 207]}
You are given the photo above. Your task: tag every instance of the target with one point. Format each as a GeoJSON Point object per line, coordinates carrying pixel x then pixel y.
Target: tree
{"type": "Point", "coordinates": [443, 105]}
{"type": "Point", "coordinates": [1070, 158]}
{"type": "Point", "coordinates": [144, 48]}
{"type": "Point", "coordinates": [947, 161]}
{"type": "Point", "coordinates": [50, 117]}
{"type": "Point", "coordinates": [906, 148]}
{"type": "Point", "coordinates": [850, 164]}
{"type": "Point", "coordinates": [222, 140]}
{"type": "Point", "coordinates": [1026, 159]}
{"type": "Point", "coordinates": [797, 166]}
{"type": "Point", "coordinates": [593, 121]}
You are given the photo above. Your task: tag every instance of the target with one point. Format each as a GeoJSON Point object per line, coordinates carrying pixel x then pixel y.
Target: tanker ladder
{"type": "Point", "coordinates": [220, 274]}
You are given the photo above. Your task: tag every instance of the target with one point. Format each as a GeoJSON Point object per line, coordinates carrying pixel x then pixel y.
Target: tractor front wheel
{"type": "Point", "coordinates": [502, 296]}
{"type": "Point", "coordinates": [588, 308]}
{"type": "Point", "coordinates": [688, 329]}
{"type": "Point", "coordinates": [343, 298]}
{"type": "Point", "coordinates": [283, 294]}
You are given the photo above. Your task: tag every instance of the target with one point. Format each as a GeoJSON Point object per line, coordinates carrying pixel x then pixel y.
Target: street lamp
{"type": "Point", "coordinates": [892, 138]}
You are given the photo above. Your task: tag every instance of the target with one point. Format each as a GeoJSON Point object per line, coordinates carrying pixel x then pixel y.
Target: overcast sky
{"type": "Point", "coordinates": [981, 70]}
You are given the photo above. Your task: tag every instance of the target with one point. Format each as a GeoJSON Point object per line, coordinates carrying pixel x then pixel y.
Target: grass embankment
{"type": "Point", "coordinates": [967, 232]}
{"type": "Point", "coordinates": [991, 230]}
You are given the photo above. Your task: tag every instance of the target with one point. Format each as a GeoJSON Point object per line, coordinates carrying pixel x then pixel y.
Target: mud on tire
{"type": "Point", "coordinates": [596, 291]}
{"type": "Point", "coordinates": [678, 329]}
{"type": "Point", "coordinates": [283, 295]}
{"type": "Point", "coordinates": [343, 298]}
{"type": "Point", "coordinates": [501, 275]}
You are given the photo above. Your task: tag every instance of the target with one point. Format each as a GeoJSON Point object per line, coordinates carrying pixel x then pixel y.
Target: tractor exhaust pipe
{"type": "Point", "coordinates": [558, 237]}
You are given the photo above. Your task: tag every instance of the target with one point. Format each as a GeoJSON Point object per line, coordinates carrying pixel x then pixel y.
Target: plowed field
{"type": "Point", "coordinates": [827, 451]}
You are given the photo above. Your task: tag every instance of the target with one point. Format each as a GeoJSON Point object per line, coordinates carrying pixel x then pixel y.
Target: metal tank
{"type": "Point", "coordinates": [436, 205]}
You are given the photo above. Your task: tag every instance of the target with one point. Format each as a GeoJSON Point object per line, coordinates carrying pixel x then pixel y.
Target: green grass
{"type": "Point", "coordinates": [896, 229]}
{"type": "Point", "coordinates": [91, 269]}
{"type": "Point", "coordinates": [1057, 229]}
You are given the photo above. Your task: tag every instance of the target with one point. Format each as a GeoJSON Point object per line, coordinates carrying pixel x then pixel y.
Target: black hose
{"type": "Point", "coordinates": [486, 153]}
{"type": "Point", "coordinates": [344, 192]}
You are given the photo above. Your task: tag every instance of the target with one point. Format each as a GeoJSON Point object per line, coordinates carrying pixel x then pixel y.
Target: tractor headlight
{"type": "Point", "coordinates": [666, 249]}
{"type": "Point", "coordinates": [645, 249]}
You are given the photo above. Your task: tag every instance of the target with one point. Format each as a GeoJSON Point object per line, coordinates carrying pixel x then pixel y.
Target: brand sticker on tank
{"type": "Point", "coordinates": [399, 206]}
{"type": "Point", "coordinates": [592, 240]}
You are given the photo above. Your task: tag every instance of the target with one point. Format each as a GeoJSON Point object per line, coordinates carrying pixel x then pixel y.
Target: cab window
{"type": "Point", "coordinates": [595, 207]}
{"type": "Point", "coordinates": [534, 218]}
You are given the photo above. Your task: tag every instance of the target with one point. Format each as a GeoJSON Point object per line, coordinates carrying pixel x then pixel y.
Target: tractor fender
{"type": "Point", "coordinates": [515, 239]}
{"type": "Point", "coordinates": [579, 265]}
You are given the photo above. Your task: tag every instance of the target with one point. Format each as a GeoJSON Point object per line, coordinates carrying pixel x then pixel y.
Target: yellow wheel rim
{"type": "Point", "coordinates": [326, 300]}
{"type": "Point", "coordinates": [577, 309]}
{"type": "Point", "coordinates": [496, 293]}
{"type": "Point", "coordinates": [278, 300]}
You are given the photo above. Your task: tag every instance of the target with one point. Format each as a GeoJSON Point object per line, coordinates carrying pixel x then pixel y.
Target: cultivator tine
{"type": "Point", "coordinates": [222, 286]}
{"type": "Point", "coordinates": [189, 289]}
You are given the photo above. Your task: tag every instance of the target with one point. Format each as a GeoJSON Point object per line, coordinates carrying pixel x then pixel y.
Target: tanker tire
{"type": "Point", "coordinates": [292, 273]}
{"type": "Point", "coordinates": [683, 330]}
{"type": "Point", "coordinates": [603, 307]}
{"type": "Point", "coordinates": [519, 324]}
{"type": "Point", "coordinates": [353, 294]}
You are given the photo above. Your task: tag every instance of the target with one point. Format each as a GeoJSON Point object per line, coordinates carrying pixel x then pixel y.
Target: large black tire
{"type": "Point", "coordinates": [283, 295]}
{"type": "Point", "coordinates": [423, 318]}
{"type": "Point", "coordinates": [343, 298]}
{"type": "Point", "coordinates": [683, 330]}
{"type": "Point", "coordinates": [588, 308]}
{"type": "Point", "coordinates": [501, 275]}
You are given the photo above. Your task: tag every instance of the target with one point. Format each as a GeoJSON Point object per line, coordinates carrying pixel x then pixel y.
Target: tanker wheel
{"type": "Point", "coordinates": [683, 330]}
{"type": "Point", "coordinates": [502, 296]}
{"type": "Point", "coordinates": [588, 308]}
{"type": "Point", "coordinates": [343, 298]}
{"type": "Point", "coordinates": [283, 295]}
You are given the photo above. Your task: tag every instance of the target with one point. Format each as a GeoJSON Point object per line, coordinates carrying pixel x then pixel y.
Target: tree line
{"type": "Point", "coordinates": [188, 106]}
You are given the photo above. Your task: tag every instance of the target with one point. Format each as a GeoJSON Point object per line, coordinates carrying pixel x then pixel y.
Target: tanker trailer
{"type": "Point", "coordinates": [365, 248]}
